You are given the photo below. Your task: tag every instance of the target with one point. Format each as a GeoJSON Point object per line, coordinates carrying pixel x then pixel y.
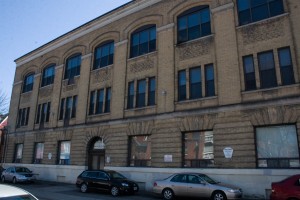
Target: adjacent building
{"type": "Point", "coordinates": [162, 86]}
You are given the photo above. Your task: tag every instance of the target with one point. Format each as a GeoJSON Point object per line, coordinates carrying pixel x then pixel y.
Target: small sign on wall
{"type": "Point", "coordinates": [228, 151]}
{"type": "Point", "coordinates": [168, 158]}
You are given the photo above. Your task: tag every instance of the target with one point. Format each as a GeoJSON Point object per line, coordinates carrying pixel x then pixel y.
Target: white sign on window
{"type": "Point", "coordinates": [228, 151]}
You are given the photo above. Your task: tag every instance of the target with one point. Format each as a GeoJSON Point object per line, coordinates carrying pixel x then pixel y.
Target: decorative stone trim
{"type": "Point", "coordinates": [121, 43]}
{"type": "Point", "coordinates": [168, 26]}
{"type": "Point", "coordinates": [222, 8]}
{"type": "Point", "coordinates": [86, 56]}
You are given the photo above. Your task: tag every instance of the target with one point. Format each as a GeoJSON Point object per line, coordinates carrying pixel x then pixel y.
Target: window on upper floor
{"type": "Point", "coordinates": [43, 113]}
{"type": "Point", "coordinates": [145, 93]}
{"type": "Point", "coordinates": [193, 23]}
{"type": "Point", "coordinates": [249, 73]}
{"type": "Point", "coordinates": [23, 117]}
{"type": "Point", "coordinates": [143, 41]}
{"type": "Point", "coordinates": [267, 69]}
{"type": "Point", "coordinates": [256, 10]}
{"type": "Point", "coordinates": [198, 149]}
{"type": "Point", "coordinates": [140, 151]}
{"type": "Point", "coordinates": [100, 101]}
{"type": "Point", "coordinates": [277, 147]}
{"type": "Point", "coordinates": [48, 75]}
{"type": "Point", "coordinates": [28, 83]}
{"type": "Point", "coordinates": [104, 55]}
{"type": "Point", "coordinates": [68, 108]}
{"type": "Point", "coordinates": [286, 66]}
{"type": "Point", "coordinates": [194, 82]}
{"type": "Point", "coordinates": [73, 67]}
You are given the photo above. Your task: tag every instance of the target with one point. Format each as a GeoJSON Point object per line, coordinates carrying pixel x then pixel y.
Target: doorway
{"type": "Point", "coordinates": [96, 154]}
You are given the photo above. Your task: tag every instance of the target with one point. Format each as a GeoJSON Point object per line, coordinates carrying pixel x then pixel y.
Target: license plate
{"type": "Point", "coordinates": [134, 188]}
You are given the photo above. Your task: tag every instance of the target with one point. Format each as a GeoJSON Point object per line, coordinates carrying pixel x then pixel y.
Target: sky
{"type": "Point", "coordinates": [26, 25]}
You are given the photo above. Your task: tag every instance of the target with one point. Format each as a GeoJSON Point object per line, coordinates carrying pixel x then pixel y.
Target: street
{"type": "Point", "coordinates": [61, 191]}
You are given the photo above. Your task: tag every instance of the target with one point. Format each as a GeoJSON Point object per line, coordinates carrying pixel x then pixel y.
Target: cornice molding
{"type": "Point", "coordinates": [85, 29]}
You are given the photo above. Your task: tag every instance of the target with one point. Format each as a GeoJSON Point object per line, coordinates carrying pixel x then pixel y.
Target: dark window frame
{"type": "Point", "coordinates": [275, 162]}
{"type": "Point", "coordinates": [248, 11]}
{"type": "Point", "coordinates": [268, 78]}
{"type": "Point", "coordinates": [197, 162]}
{"type": "Point", "coordinates": [209, 81]}
{"type": "Point", "coordinates": [28, 83]}
{"type": "Point", "coordinates": [63, 161]}
{"type": "Point", "coordinates": [151, 91]}
{"type": "Point", "coordinates": [130, 95]}
{"type": "Point", "coordinates": [35, 159]}
{"type": "Point", "coordinates": [133, 162]}
{"type": "Point", "coordinates": [196, 86]}
{"type": "Point", "coordinates": [249, 77]}
{"type": "Point", "coordinates": [182, 94]}
{"type": "Point", "coordinates": [46, 78]}
{"type": "Point", "coordinates": [286, 70]}
{"type": "Point", "coordinates": [16, 159]}
{"type": "Point", "coordinates": [101, 60]}
{"type": "Point", "coordinates": [137, 47]}
{"type": "Point", "coordinates": [186, 32]}
{"type": "Point", "coordinates": [73, 70]}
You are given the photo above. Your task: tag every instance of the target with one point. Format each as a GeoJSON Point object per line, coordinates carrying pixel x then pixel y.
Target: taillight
{"type": "Point", "coordinates": [154, 184]}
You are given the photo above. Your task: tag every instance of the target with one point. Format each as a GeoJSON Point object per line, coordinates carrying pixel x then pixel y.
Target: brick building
{"type": "Point", "coordinates": [162, 86]}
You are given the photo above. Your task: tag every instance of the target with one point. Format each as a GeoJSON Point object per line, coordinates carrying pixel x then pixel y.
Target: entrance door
{"type": "Point", "coordinates": [96, 154]}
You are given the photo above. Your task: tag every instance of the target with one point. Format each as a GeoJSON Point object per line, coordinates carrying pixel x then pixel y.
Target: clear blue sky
{"type": "Point", "coordinates": [28, 24]}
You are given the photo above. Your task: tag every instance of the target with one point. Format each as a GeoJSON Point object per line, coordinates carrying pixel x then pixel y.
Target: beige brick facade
{"type": "Point", "coordinates": [232, 113]}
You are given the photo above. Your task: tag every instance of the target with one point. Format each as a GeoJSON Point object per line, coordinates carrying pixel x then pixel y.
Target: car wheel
{"type": "Point", "coordinates": [218, 195]}
{"type": "Point", "coordinates": [14, 181]}
{"type": "Point", "coordinates": [3, 179]}
{"type": "Point", "coordinates": [83, 188]}
{"type": "Point", "coordinates": [114, 191]}
{"type": "Point", "coordinates": [168, 194]}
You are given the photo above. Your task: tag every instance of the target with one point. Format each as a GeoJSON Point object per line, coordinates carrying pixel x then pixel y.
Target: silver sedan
{"type": "Point", "coordinates": [18, 174]}
{"type": "Point", "coordinates": [195, 185]}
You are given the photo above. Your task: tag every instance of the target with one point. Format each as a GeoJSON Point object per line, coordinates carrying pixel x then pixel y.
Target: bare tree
{"type": "Point", "coordinates": [3, 103]}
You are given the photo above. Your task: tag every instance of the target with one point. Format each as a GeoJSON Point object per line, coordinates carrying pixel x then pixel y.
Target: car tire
{"type": "Point", "coordinates": [83, 188]}
{"type": "Point", "coordinates": [168, 194]}
{"type": "Point", "coordinates": [3, 179]}
{"type": "Point", "coordinates": [218, 195]}
{"type": "Point", "coordinates": [14, 181]}
{"type": "Point", "coordinates": [114, 191]}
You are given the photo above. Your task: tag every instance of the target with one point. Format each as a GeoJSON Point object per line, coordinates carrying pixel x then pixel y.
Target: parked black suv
{"type": "Point", "coordinates": [106, 180]}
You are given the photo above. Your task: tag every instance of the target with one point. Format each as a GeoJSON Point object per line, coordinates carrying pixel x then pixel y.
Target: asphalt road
{"type": "Point", "coordinates": [61, 191]}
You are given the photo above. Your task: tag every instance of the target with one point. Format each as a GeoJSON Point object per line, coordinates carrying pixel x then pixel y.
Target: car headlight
{"type": "Point", "coordinates": [233, 190]}
{"type": "Point", "coordinates": [125, 184]}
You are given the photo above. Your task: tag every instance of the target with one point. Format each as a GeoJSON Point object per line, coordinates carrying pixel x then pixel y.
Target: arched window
{"type": "Point", "coordinates": [48, 75]}
{"type": "Point", "coordinates": [28, 83]}
{"type": "Point", "coordinates": [73, 66]}
{"type": "Point", "coordinates": [104, 55]}
{"type": "Point", "coordinates": [143, 41]}
{"type": "Point", "coordinates": [193, 23]}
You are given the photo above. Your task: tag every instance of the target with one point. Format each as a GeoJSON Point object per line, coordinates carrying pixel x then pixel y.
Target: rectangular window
{"type": "Point", "coordinates": [181, 85]}
{"type": "Point", "coordinates": [198, 149]}
{"type": "Point", "coordinates": [209, 80]}
{"type": "Point", "coordinates": [37, 120]}
{"type": "Point", "coordinates": [104, 55]}
{"type": "Point", "coordinates": [143, 41]}
{"type": "Point", "coordinates": [249, 73]}
{"type": "Point", "coordinates": [92, 103]}
{"type": "Point", "coordinates": [74, 106]}
{"type": "Point", "coordinates": [62, 106]}
{"type": "Point", "coordinates": [64, 153]}
{"type": "Point", "coordinates": [73, 67]}
{"type": "Point", "coordinates": [130, 97]}
{"type": "Point", "coordinates": [23, 117]}
{"type": "Point", "coordinates": [48, 111]}
{"type": "Point", "coordinates": [267, 70]}
{"type": "Point", "coordinates": [18, 153]}
{"type": "Point", "coordinates": [195, 83]}
{"type": "Point", "coordinates": [140, 151]}
{"type": "Point", "coordinates": [68, 107]}
{"type": "Point", "coordinates": [151, 91]}
{"type": "Point", "coordinates": [286, 66]}
{"type": "Point", "coordinates": [277, 147]}
{"type": "Point", "coordinates": [141, 93]}
{"type": "Point", "coordinates": [100, 101]}
{"type": "Point", "coordinates": [48, 75]}
{"type": "Point", "coordinates": [256, 10]}
{"type": "Point", "coordinates": [38, 153]}
{"type": "Point", "coordinates": [107, 100]}
{"type": "Point", "coordinates": [193, 24]}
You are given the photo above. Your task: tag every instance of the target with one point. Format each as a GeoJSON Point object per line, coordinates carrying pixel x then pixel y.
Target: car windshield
{"type": "Point", "coordinates": [116, 175]}
{"type": "Point", "coordinates": [207, 179]}
{"type": "Point", "coordinates": [22, 170]}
